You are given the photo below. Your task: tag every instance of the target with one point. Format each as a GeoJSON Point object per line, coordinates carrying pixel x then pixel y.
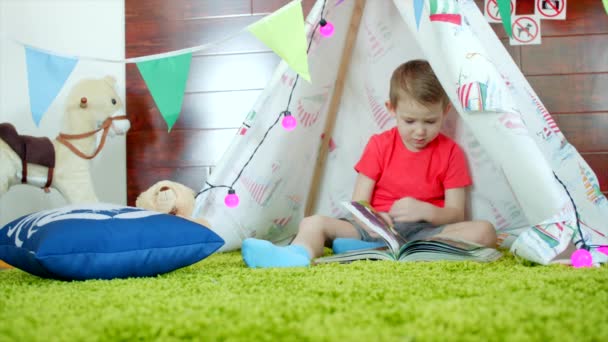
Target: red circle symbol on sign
{"type": "Point", "coordinates": [545, 6]}
{"type": "Point", "coordinates": [525, 29]}
{"type": "Point", "coordinates": [492, 9]}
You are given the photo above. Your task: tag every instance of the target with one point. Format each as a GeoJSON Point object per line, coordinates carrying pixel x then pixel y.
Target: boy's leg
{"type": "Point", "coordinates": [316, 230]}
{"type": "Point", "coordinates": [309, 243]}
{"type": "Point", "coordinates": [480, 232]}
{"type": "Point", "coordinates": [364, 241]}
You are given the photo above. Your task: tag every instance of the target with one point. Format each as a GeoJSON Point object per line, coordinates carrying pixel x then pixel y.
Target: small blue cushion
{"type": "Point", "coordinates": [103, 241]}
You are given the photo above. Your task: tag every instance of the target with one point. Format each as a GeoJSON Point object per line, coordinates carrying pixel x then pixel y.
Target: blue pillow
{"type": "Point", "coordinates": [103, 241]}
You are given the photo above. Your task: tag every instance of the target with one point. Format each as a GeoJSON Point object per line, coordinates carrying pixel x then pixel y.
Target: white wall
{"type": "Point", "coordinates": [76, 27]}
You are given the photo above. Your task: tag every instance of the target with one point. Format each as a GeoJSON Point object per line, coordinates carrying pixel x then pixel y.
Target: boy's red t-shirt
{"type": "Point", "coordinates": [399, 172]}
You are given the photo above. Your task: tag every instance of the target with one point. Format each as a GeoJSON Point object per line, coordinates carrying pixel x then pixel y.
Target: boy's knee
{"type": "Point", "coordinates": [487, 233]}
{"type": "Point", "coordinates": [312, 222]}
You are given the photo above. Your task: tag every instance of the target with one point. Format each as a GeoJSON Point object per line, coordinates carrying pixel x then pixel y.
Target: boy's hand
{"type": "Point", "coordinates": [409, 209]}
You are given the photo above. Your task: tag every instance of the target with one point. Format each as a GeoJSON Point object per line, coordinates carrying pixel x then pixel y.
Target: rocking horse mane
{"type": "Point", "coordinates": [76, 119]}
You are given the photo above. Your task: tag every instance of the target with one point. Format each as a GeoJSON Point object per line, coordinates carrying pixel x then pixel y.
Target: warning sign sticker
{"type": "Point", "coordinates": [550, 9]}
{"type": "Point", "coordinates": [526, 30]}
{"type": "Point", "coordinates": [492, 13]}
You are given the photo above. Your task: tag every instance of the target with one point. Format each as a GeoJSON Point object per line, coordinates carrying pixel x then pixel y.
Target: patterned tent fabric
{"type": "Point", "coordinates": [526, 175]}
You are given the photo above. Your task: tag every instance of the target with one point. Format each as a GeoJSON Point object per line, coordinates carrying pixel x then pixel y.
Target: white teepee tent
{"type": "Point", "coordinates": [526, 175]}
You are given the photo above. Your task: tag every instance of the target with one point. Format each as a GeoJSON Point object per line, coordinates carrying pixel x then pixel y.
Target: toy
{"type": "Point", "coordinates": [171, 198]}
{"type": "Point", "coordinates": [92, 106]}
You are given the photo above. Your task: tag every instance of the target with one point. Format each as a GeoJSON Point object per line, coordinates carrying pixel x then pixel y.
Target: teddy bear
{"type": "Point", "coordinates": [92, 106]}
{"type": "Point", "coordinates": [170, 197]}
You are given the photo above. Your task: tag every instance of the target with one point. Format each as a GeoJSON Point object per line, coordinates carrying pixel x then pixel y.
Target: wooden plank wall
{"type": "Point", "coordinates": [569, 71]}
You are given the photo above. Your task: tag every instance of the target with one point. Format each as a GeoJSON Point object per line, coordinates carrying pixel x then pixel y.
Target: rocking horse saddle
{"type": "Point", "coordinates": [34, 150]}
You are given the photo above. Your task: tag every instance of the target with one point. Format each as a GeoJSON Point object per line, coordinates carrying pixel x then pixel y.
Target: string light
{"type": "Point", "coordinates": [581, 257]}
{"type": "Point", "coordinates": [232, 199]}
{"type": "Point", "coordinates": [326, 28]}
{"type": "Point", "coordinates": [289, 123]}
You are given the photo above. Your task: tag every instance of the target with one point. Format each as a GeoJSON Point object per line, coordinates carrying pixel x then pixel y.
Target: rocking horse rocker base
{"type": "Point", "coordinates": [93, 106]}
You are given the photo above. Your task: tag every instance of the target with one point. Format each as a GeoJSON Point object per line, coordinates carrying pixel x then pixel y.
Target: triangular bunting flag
{"type": "Point", "coordinates": [283, 32]}
{"type": "Point", "coordinates": [504, 8]}
{"type": "Point", "coordinates": [166, 78]}
{"type": "Point", "coordinates": [605, 5]}
{"type": "Point", "coordinates": [46, 75]}
{"type": "Point", "coordinates": [418, 5]}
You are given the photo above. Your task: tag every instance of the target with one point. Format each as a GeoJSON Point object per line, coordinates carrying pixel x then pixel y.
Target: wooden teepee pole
{"type": "Point", "coordinates": [330, 122]}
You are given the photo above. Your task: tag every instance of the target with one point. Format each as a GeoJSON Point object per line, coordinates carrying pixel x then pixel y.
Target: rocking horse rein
{"type": "Point", "coordinates": [105, 126]}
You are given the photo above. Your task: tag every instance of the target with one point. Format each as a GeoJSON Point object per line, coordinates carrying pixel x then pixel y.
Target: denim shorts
{"type": "Point", "coordinates": [408, 230]}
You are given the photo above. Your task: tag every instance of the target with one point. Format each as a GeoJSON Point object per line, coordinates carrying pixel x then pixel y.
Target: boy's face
{"type": "Point", "coordinates": [418, 125]}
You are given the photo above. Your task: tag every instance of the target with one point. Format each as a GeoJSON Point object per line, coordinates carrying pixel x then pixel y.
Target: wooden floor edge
{"type": "Point", "coordinates": [4, 265]}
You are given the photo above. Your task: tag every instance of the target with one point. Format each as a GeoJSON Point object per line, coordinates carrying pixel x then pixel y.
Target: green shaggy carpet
{"type": "Point", "coordinates": [220, 299]}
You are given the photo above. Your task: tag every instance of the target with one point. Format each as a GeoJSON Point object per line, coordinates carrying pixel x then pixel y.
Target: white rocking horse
{"type": "Point", "coordinates": [92, 106]}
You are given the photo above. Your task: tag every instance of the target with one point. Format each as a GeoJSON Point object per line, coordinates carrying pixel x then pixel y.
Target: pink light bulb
{"type": "Point", "coordinates": [326, 28]}
{"type": "Point", "coordinates": [232, 199]}
{"type": "Point", "coordinates": [581, 258]}
{"type": "Point", "coordinates": [289, 122]}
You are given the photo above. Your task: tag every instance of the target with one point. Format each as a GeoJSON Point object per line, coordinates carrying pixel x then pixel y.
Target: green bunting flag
{"type": "Point", "coordinates": [284, 33]}
{"type": "Point", "coordinates": [605, 5]}
{"type": "Point", "coordinates": [504, 8]}
{"type": "Point", "coordinates": [166, 78]}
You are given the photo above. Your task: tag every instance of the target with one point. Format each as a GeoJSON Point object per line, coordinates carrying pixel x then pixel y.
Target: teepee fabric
{"type": "Point", "coordinates": [526, 175]}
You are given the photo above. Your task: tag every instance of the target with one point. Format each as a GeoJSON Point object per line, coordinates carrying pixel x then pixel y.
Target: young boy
{"type": "Point", "coordinates": [414, 175]}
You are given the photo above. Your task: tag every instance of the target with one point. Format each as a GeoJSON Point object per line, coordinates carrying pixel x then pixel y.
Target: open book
{"type": "Point", "coordinates": [397, 248]}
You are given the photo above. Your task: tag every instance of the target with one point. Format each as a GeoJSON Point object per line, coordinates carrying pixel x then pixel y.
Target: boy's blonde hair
{"type": "Point", "coordinates": [417, 80]}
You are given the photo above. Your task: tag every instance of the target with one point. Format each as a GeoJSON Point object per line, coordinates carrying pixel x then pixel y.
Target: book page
{"type": "Point", "coordinates": [381, 253]}
{"type": "Point", "coordinates": [447, 249]}
{"type": "Point", "coordinates": [369, 217]}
